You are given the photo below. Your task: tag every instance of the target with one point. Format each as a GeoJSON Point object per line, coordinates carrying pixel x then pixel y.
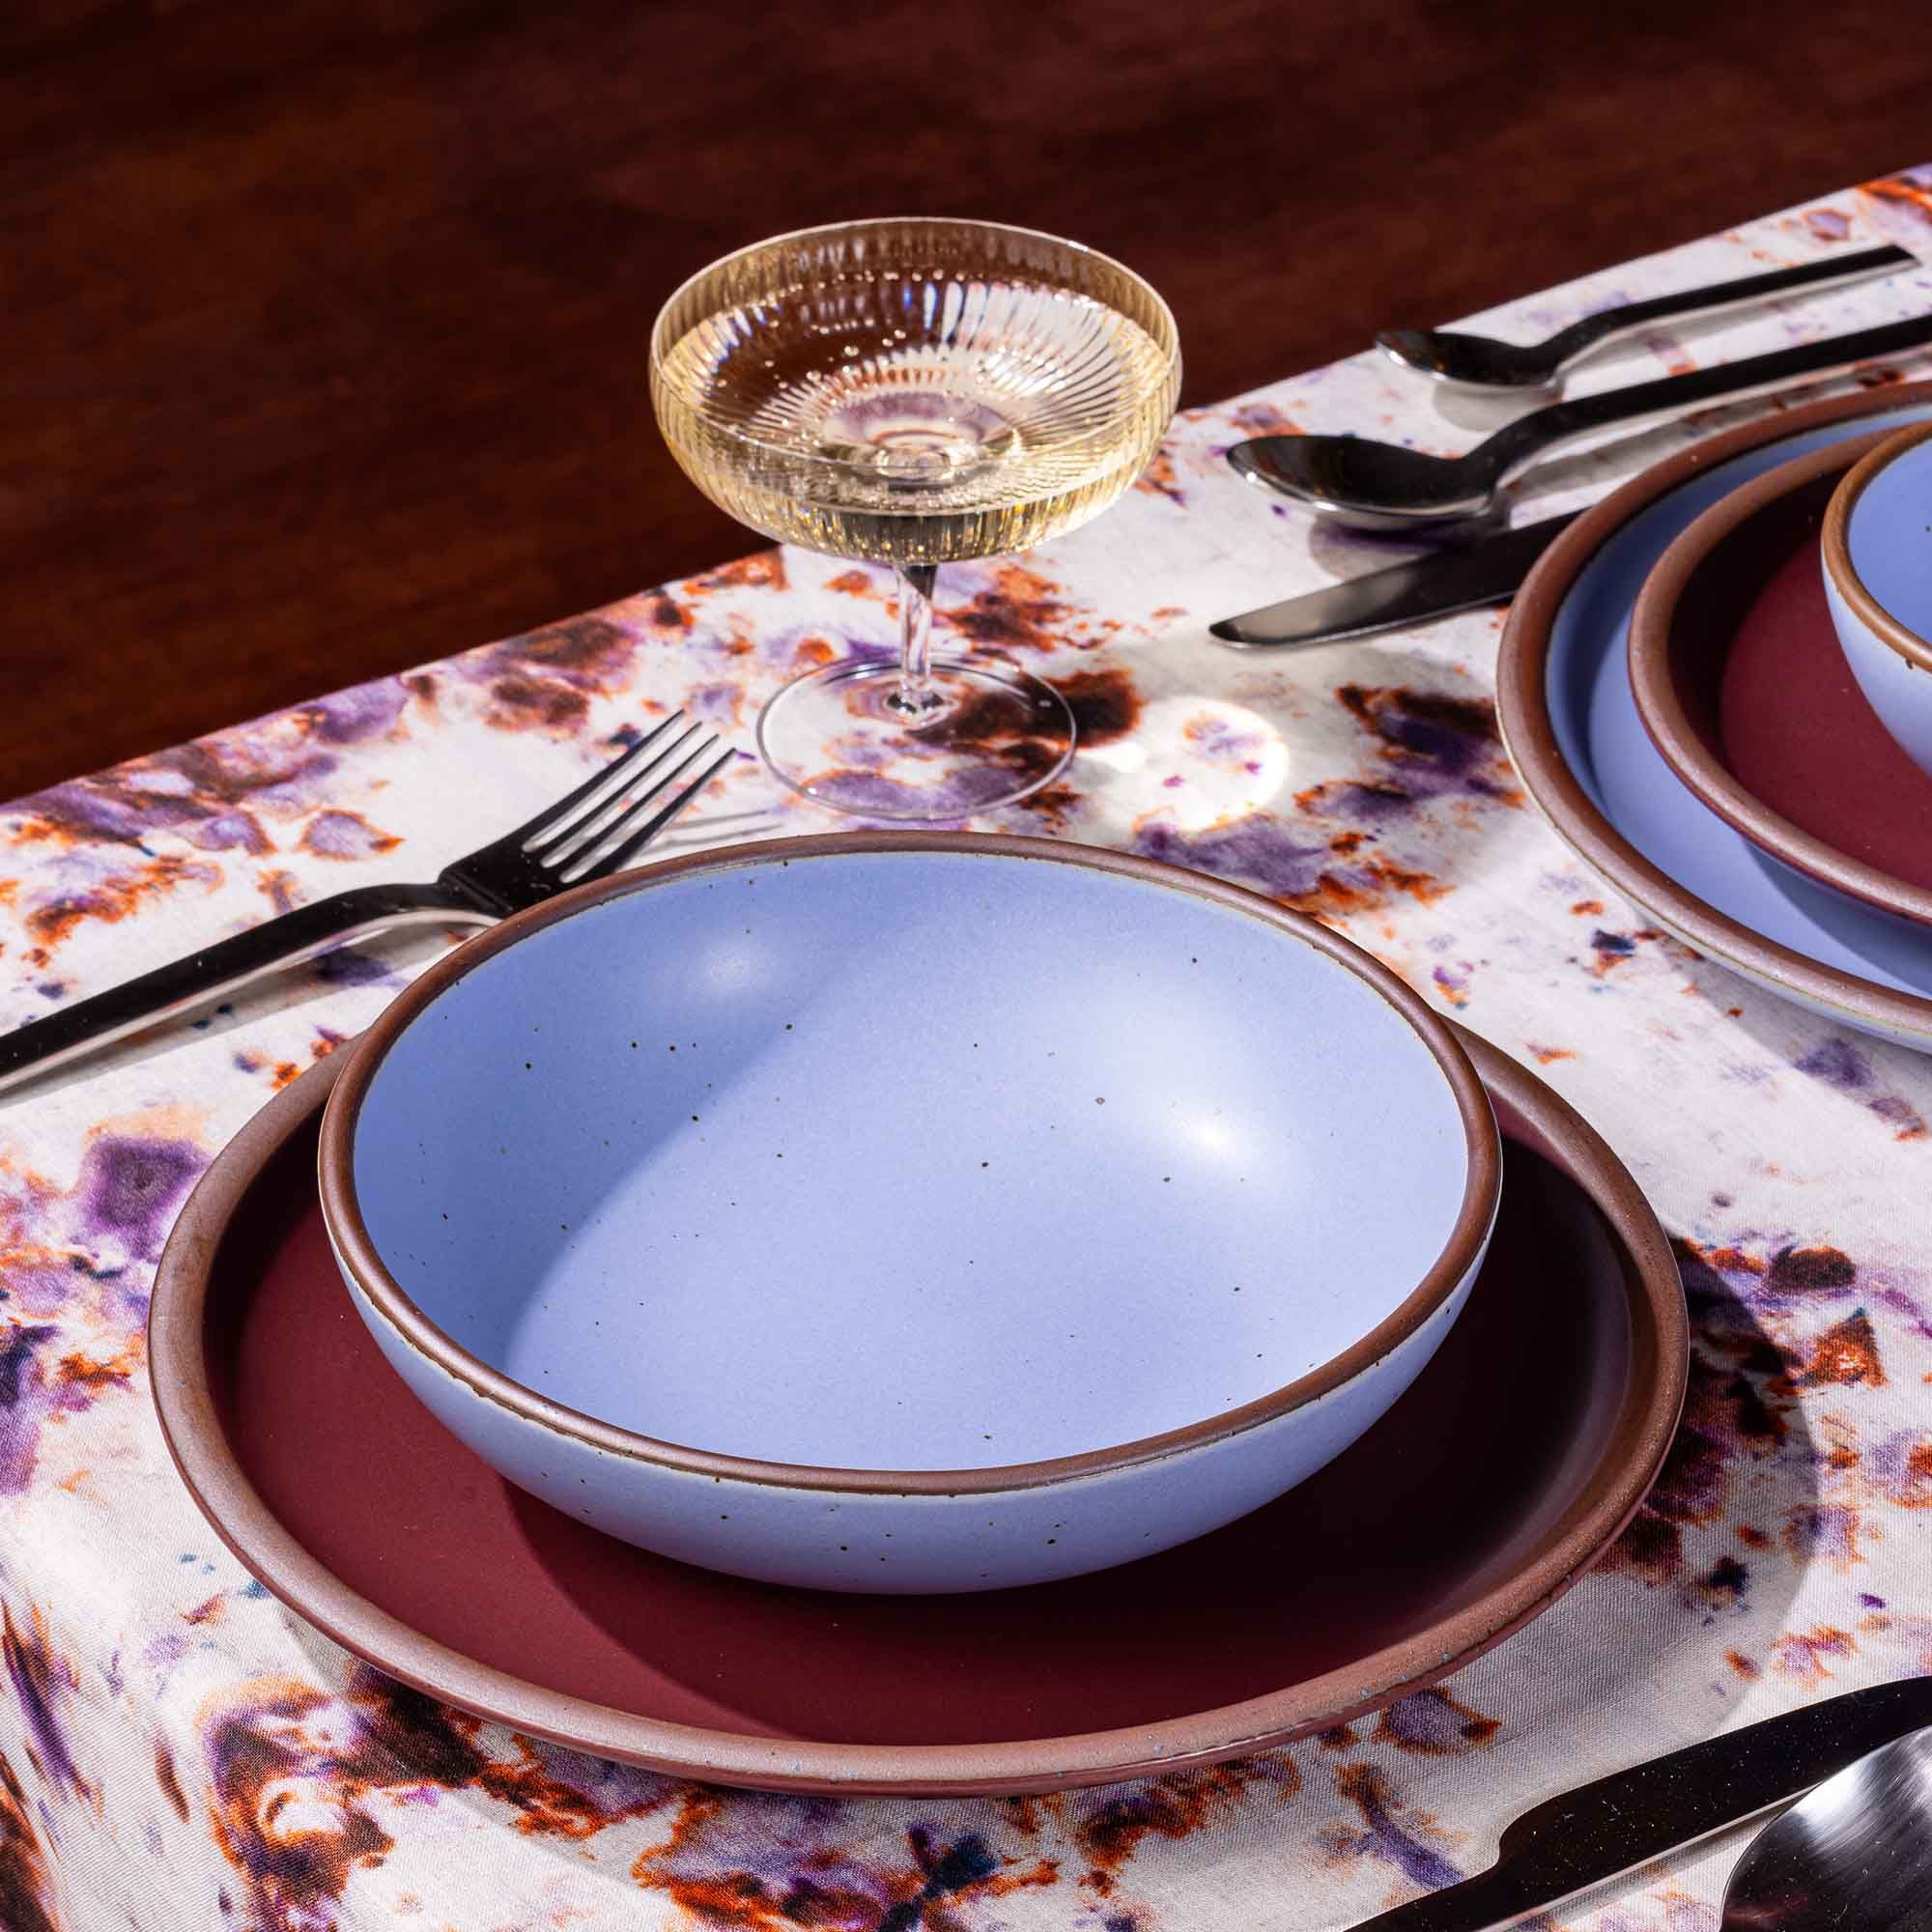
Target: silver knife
{"type": "Point", "coordinates": [1463, 578]}
{"type": "Point", "coordinates": [1567, 1844]}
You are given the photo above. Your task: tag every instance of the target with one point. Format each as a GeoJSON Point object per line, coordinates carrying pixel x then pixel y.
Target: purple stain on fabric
{"type": "Point", "coordinates": [231, 832]}
{"type": "Point", "coordinates": [1366, 1787]}
{"type": "Point", "coordinates": [959, 1866]}
{"type": "Point", "coordinates": [720, 702]}
{"type": "Point", "coordinates": [347, 967]}
{"type": "Point", "coordinates": [40, 1680]}
{"type": "Point", "coordinates": [361, 712]}
{"type": "Point", "coordinates": [83, 809]}
{"type": "Point", "coordinates": [1364, 804]}
{"type": "Point", "coordinates": [1441, 741]}
{"type": "Point", "coordinates": [861, 792]}
{"type": "Point", "coordinates": [1822, 1529]}
{"type": "Point", "coordinates": [1258, 851]}
{"type": "Point", "coordinates": [345, 835]}
{"type": "Point", "coordinates": [198, 788]}
{"type": "Point", "coordinates": [130, 1187]}
{"type": "Point", "coordinates": [1900, 1466]}
{"type": "Point", "coordinates": [1838, 1064]}
{"type": "Point", "coordinates": [1216, 738]}
{"type": "Point", "coordinates": [1432, 1723]}
{"type": "Point", "coordinates": [296, 786]}
{"type": "Point", "coordinates": [25, 1402]}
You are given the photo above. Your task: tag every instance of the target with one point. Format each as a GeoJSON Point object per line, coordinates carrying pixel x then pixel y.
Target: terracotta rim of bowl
{"type": "Point", "coordinates": [1685, 749]}
{"type": "Point", "coordinates": [178, 1341]}
{"type": "Point", "coordinates": [356, 1250]}
{"type": "Point", "coordinates": [1835, 540]}
{"type": "Point", "coordinates": [1522, 715]}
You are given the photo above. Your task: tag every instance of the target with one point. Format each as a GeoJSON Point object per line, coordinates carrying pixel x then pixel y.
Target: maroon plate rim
{"type": "Point", "coordinates": [1659, 701]}
{"type": "Point", "coordinates": [1646, 1422]}
{"type": "Point", "coordinates": [381, 1291]}
{"type": "Point", "coordinates": [1522, 715]}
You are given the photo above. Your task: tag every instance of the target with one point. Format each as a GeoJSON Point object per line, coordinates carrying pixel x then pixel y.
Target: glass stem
{"type": "Point", "coordinates": [915, 697]}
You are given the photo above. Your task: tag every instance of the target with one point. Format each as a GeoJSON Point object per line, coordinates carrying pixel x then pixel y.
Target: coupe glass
{"type": "Point", "coordinates": [913, 392]}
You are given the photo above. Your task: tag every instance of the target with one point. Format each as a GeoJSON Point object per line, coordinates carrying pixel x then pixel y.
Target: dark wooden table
{"type": "Point", "coordinates": [326, 320]}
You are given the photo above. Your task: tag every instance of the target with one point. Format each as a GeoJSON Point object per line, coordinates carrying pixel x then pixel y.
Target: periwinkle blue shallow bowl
{"type": "Point", "coordinates": [1877, 547]}
{"type": "Point", "coordinates": [909, 1213]}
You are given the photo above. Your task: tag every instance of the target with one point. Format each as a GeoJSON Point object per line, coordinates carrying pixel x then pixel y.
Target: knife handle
{"type": "Point", "coordinates": [1599, 1831]}
{"type": "Point", "coordinates": [1424, 588]}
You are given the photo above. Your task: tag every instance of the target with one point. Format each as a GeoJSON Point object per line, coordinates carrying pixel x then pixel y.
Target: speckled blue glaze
{"type": "Point", "coordinates": [1603, 740]}
{"type": "Point", "coordinates": [1889, 537]}
{"type": "Point", "coordinates": [910, 1161]}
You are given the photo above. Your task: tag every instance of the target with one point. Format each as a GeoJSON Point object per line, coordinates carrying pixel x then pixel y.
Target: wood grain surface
{"type": "Point", "coordinates": [326, 320]}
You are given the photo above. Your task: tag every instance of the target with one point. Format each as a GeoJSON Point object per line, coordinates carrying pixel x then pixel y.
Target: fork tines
{"type": "Point", "coordinates": [595, 829]}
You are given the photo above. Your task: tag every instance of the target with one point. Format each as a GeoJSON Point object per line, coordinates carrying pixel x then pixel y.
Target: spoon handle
{"type": "Point", "coordinates": [1598, 1832]}
{"type": "Point", "coordinates": [1719, 298]}
{"type": "Point", "coordinates": [1519, 444]}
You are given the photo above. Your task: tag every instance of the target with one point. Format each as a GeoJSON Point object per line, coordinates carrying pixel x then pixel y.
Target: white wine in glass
{"type": "Point", "coordinates": [913, 393]}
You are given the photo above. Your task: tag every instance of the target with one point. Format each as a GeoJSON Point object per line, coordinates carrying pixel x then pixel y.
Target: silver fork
{"type": "Point", "coordinates": [588, 834]}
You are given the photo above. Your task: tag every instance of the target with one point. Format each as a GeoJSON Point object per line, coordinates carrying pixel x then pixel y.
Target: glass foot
{"type": "Point", "coordinates": [995, 736]}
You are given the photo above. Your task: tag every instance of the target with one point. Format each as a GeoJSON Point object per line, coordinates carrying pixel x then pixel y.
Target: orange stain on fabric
{"type": "Point", "coordinates": [1158, 479]}
{"type": "Point", "coordinates": [1846, 1352]}
{"type": "Point", "coordinates": [762, 570]}
{"type": "Point", "coordinates": [114, 899]}
{"type": "Point", "coordinates": [84, 1372]}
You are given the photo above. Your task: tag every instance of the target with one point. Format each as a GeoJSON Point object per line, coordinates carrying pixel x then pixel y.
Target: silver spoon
{"type": "Point", "coordinates": [1467, 361]}
{"type": "Point", "coordinates": [1383, 485]}
{"type": "Point", "coordinates": [1853, 1854]}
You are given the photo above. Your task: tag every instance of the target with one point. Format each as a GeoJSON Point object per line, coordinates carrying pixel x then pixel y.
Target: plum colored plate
{"type": "Point", "coordinates": [1571, 722]}
{"type": "Point", "coordinates": [1549, 1409]}
{"type": "Point", "coordinates": [1740, 680]}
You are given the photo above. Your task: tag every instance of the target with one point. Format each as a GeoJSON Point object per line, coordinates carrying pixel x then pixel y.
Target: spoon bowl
{"type": "Point", "coordinates": [1459, 360]}
{"type": "Point", "coordinates": [1855, 1853]}
{"type": "Point", "coordinates": [1369, 485]}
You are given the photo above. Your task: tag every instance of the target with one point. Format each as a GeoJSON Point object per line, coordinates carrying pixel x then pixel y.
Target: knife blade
{"type": "Point", "coordinates": [1584, 1838]}
{"type": "Point", "coordinates": [1437, 585]}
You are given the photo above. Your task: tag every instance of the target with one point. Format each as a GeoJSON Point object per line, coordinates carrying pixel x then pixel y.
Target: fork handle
{"type": "Point", "coordinates": [221, 969]}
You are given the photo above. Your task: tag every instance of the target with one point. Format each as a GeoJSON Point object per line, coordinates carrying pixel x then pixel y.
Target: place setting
{"type": "Point", "coordinates": [1644, 749]}
{"type": "Point", "coordinates": [1698, 688]}
{"type": "Point", "coordinates": [921, 1309]}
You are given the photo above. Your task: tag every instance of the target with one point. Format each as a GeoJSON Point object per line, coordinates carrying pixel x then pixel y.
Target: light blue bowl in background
{"type": "Point", "coordinates": [911, 1212]}
{"type": "Point", "coordinates": [1877, 548]}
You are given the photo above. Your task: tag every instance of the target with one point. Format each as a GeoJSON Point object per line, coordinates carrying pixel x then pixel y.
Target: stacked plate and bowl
{"type": "Point", "coordinates": [1718, 684]}
{"type": "Point", "coordinates": [922, 1312]}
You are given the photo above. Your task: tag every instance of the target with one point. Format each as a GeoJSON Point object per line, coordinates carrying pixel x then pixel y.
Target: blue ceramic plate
{"type": "Point", "coordinates": [1573, 729]}
{"type": "Point", "coordinates": [914, 1213]}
